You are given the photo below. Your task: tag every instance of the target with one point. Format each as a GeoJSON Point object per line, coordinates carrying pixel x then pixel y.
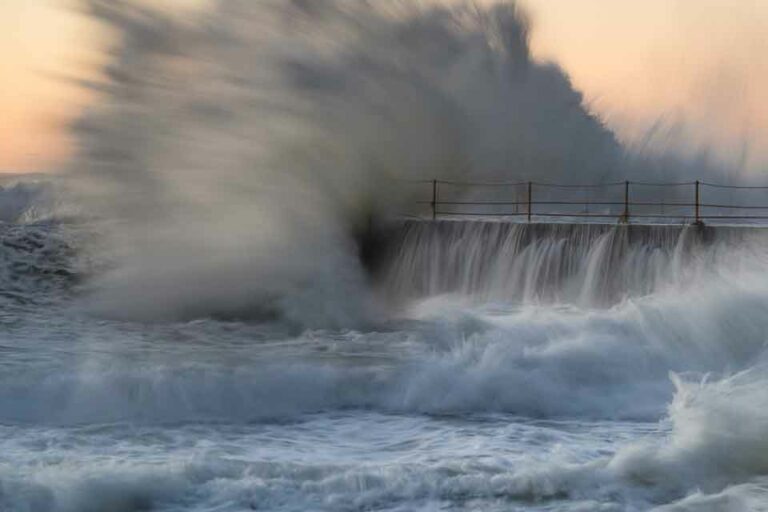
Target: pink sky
{"type": "Point", "coordinates": [699, 64]}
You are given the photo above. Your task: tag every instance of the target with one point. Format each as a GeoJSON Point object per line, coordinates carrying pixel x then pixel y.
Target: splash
{"type": "Point", "coordinates": [238, 152]}
{"type": "Point", "coordinates": [712, 459]}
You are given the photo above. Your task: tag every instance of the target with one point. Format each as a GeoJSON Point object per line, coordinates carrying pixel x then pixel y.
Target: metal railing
{"type": "Point", "coordinates": [624, 201]}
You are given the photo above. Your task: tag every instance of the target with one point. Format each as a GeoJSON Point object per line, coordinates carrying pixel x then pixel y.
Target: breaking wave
{"type": "Point", "coordinates": [236, 162]}
{"type": "Point", "coordinates": [241, 150]}
{"type": "Point", "coordinates": [557, 348]}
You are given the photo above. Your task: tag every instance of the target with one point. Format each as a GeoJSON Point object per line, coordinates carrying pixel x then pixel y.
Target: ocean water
{"type": "Point", "coordinates": [187, 324]}
{"type": "Point", "coordinates": [458, 399]}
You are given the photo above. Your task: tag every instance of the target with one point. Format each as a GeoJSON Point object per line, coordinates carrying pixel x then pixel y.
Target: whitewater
{"type": "Point", "coordinates": [219, 306]}
{"type": "Point", "coordinates": [478, 393]}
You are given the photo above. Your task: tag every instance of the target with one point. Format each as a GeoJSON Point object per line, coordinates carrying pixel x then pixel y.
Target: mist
{"type": "Point", "coordinates": [235, 152]}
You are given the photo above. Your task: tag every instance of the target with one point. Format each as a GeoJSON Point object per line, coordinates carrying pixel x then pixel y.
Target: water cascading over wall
{"type": "Point", "coordinates": [587, 264]}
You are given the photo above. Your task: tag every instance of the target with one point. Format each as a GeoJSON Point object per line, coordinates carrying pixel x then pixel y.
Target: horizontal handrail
{"type": "Point", "coordinates": [549, 206]}
{"type": "Point", "coordinates": [580, 185]}
{"type": "Point", "coordinates": [740, 187]}
{"type": "Point", "coordinates": [594, 203]}
{"type": "Point", "coordinates": [481, 183]}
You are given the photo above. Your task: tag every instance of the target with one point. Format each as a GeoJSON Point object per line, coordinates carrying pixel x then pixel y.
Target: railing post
{"type": "Point", "coordinates": [530, 199]}
{"type": "Point", "coordinates": [625, 216]}
{"type": "Point", "coordinates": [434, 199]}
{"type": "Point", "coordinates": [698, 203]}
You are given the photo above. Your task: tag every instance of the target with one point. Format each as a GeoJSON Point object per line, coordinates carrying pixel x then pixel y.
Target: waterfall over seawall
{"type": "Point", "coordinates": [584, 264]}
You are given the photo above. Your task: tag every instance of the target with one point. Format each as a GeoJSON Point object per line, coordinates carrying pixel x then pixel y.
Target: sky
{"type": "Point", "coordinates": [696, 70]}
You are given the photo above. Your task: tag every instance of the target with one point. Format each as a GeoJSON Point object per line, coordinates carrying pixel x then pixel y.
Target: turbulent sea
{"type": "Point", "coordinates": [565, 369]}
{"type": "Point", "coordinates": [201, 315]}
